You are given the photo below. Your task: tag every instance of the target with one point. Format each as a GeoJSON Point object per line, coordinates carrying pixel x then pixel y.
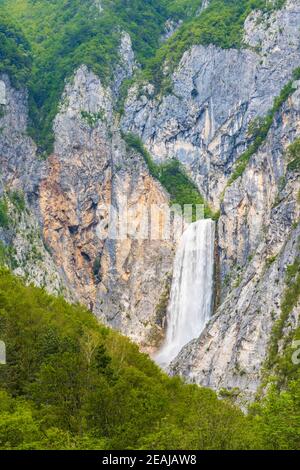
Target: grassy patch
{"type": "Point", "coordinates": [92, 119]}
{"type": "Point", "coordinates": [7, 256]}
{"type": "Point", "coordinates": [17, 198]}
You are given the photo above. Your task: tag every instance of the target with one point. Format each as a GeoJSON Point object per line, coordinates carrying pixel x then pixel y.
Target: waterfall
{"type": "Point", "coordinates": [190, 305]}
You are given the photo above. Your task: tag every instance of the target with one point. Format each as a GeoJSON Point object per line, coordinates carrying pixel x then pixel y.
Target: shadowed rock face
{"type": "Point", "coordinates": [204, 123]}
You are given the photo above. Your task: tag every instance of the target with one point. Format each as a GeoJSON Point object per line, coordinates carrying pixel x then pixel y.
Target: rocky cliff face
{"type": "Point", "coordinates": [204, 123]}
{"type": "Point", "coordinates": [216, 94]}
{"type": "Point", "coordinates": [20, 235]}
{"type": "Point", "coordinates": [69, 200]}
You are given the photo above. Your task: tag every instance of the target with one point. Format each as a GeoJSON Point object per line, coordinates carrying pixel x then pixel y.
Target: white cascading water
{"type": "Point", "coordinates": [190, 305]}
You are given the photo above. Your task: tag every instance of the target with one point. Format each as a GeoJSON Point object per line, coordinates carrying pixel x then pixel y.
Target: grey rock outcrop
{"type": "Point", "coordinates": [19, 165]}
{"type": "Point", "coordinates": [171, 27]}
{"type": "Point", "coordinates": [126, 65]}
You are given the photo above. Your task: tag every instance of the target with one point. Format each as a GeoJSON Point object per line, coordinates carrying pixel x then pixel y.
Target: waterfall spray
{"type": "Point", "coordinates": [190, 305]}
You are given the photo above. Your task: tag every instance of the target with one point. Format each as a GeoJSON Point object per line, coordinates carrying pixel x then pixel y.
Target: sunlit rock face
{"type": "Point", "coordinates": [259, 236]}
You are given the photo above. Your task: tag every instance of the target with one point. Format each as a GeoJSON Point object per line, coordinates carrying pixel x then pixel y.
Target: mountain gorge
{"type": "Point", "coordinates": [140, 104]}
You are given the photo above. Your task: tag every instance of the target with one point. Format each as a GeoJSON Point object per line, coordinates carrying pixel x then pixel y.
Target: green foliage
{"type": "Point", "coordinates": [135, 143]}
{"type": "Point", "coordinates": [17, 198]}
{"type": "Point", "coordinates": [92, 119]}
{"type": "Point", "coordinates": [277, 417]}
{"type": "Point", "coordinates": [21, 429]}
{"type": "Point", "coordinates": [11, 199]}
{"type": "Point", "coordinates": [177, 183]}
{"type": "Point", "coordinates": [71, 383]}
{"type": "Point", "coordinates": [179, 9]}
{"type": "Point", "coordinates": [2, 254]}
{"type": "Point", "coordinates": [271, 260]}
{"type": "Point", "coordinates": [259, 128]}
{"type": "Point", "coordinates": [172, 176]}
{"type": "Point", "coordinates": [7, 256]}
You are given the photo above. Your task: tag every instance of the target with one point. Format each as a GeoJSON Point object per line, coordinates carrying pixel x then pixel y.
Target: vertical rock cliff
{"type": "Point", "coordinates": [22, 246]}
{"type": "Point", "coordinates": [91, 169]}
